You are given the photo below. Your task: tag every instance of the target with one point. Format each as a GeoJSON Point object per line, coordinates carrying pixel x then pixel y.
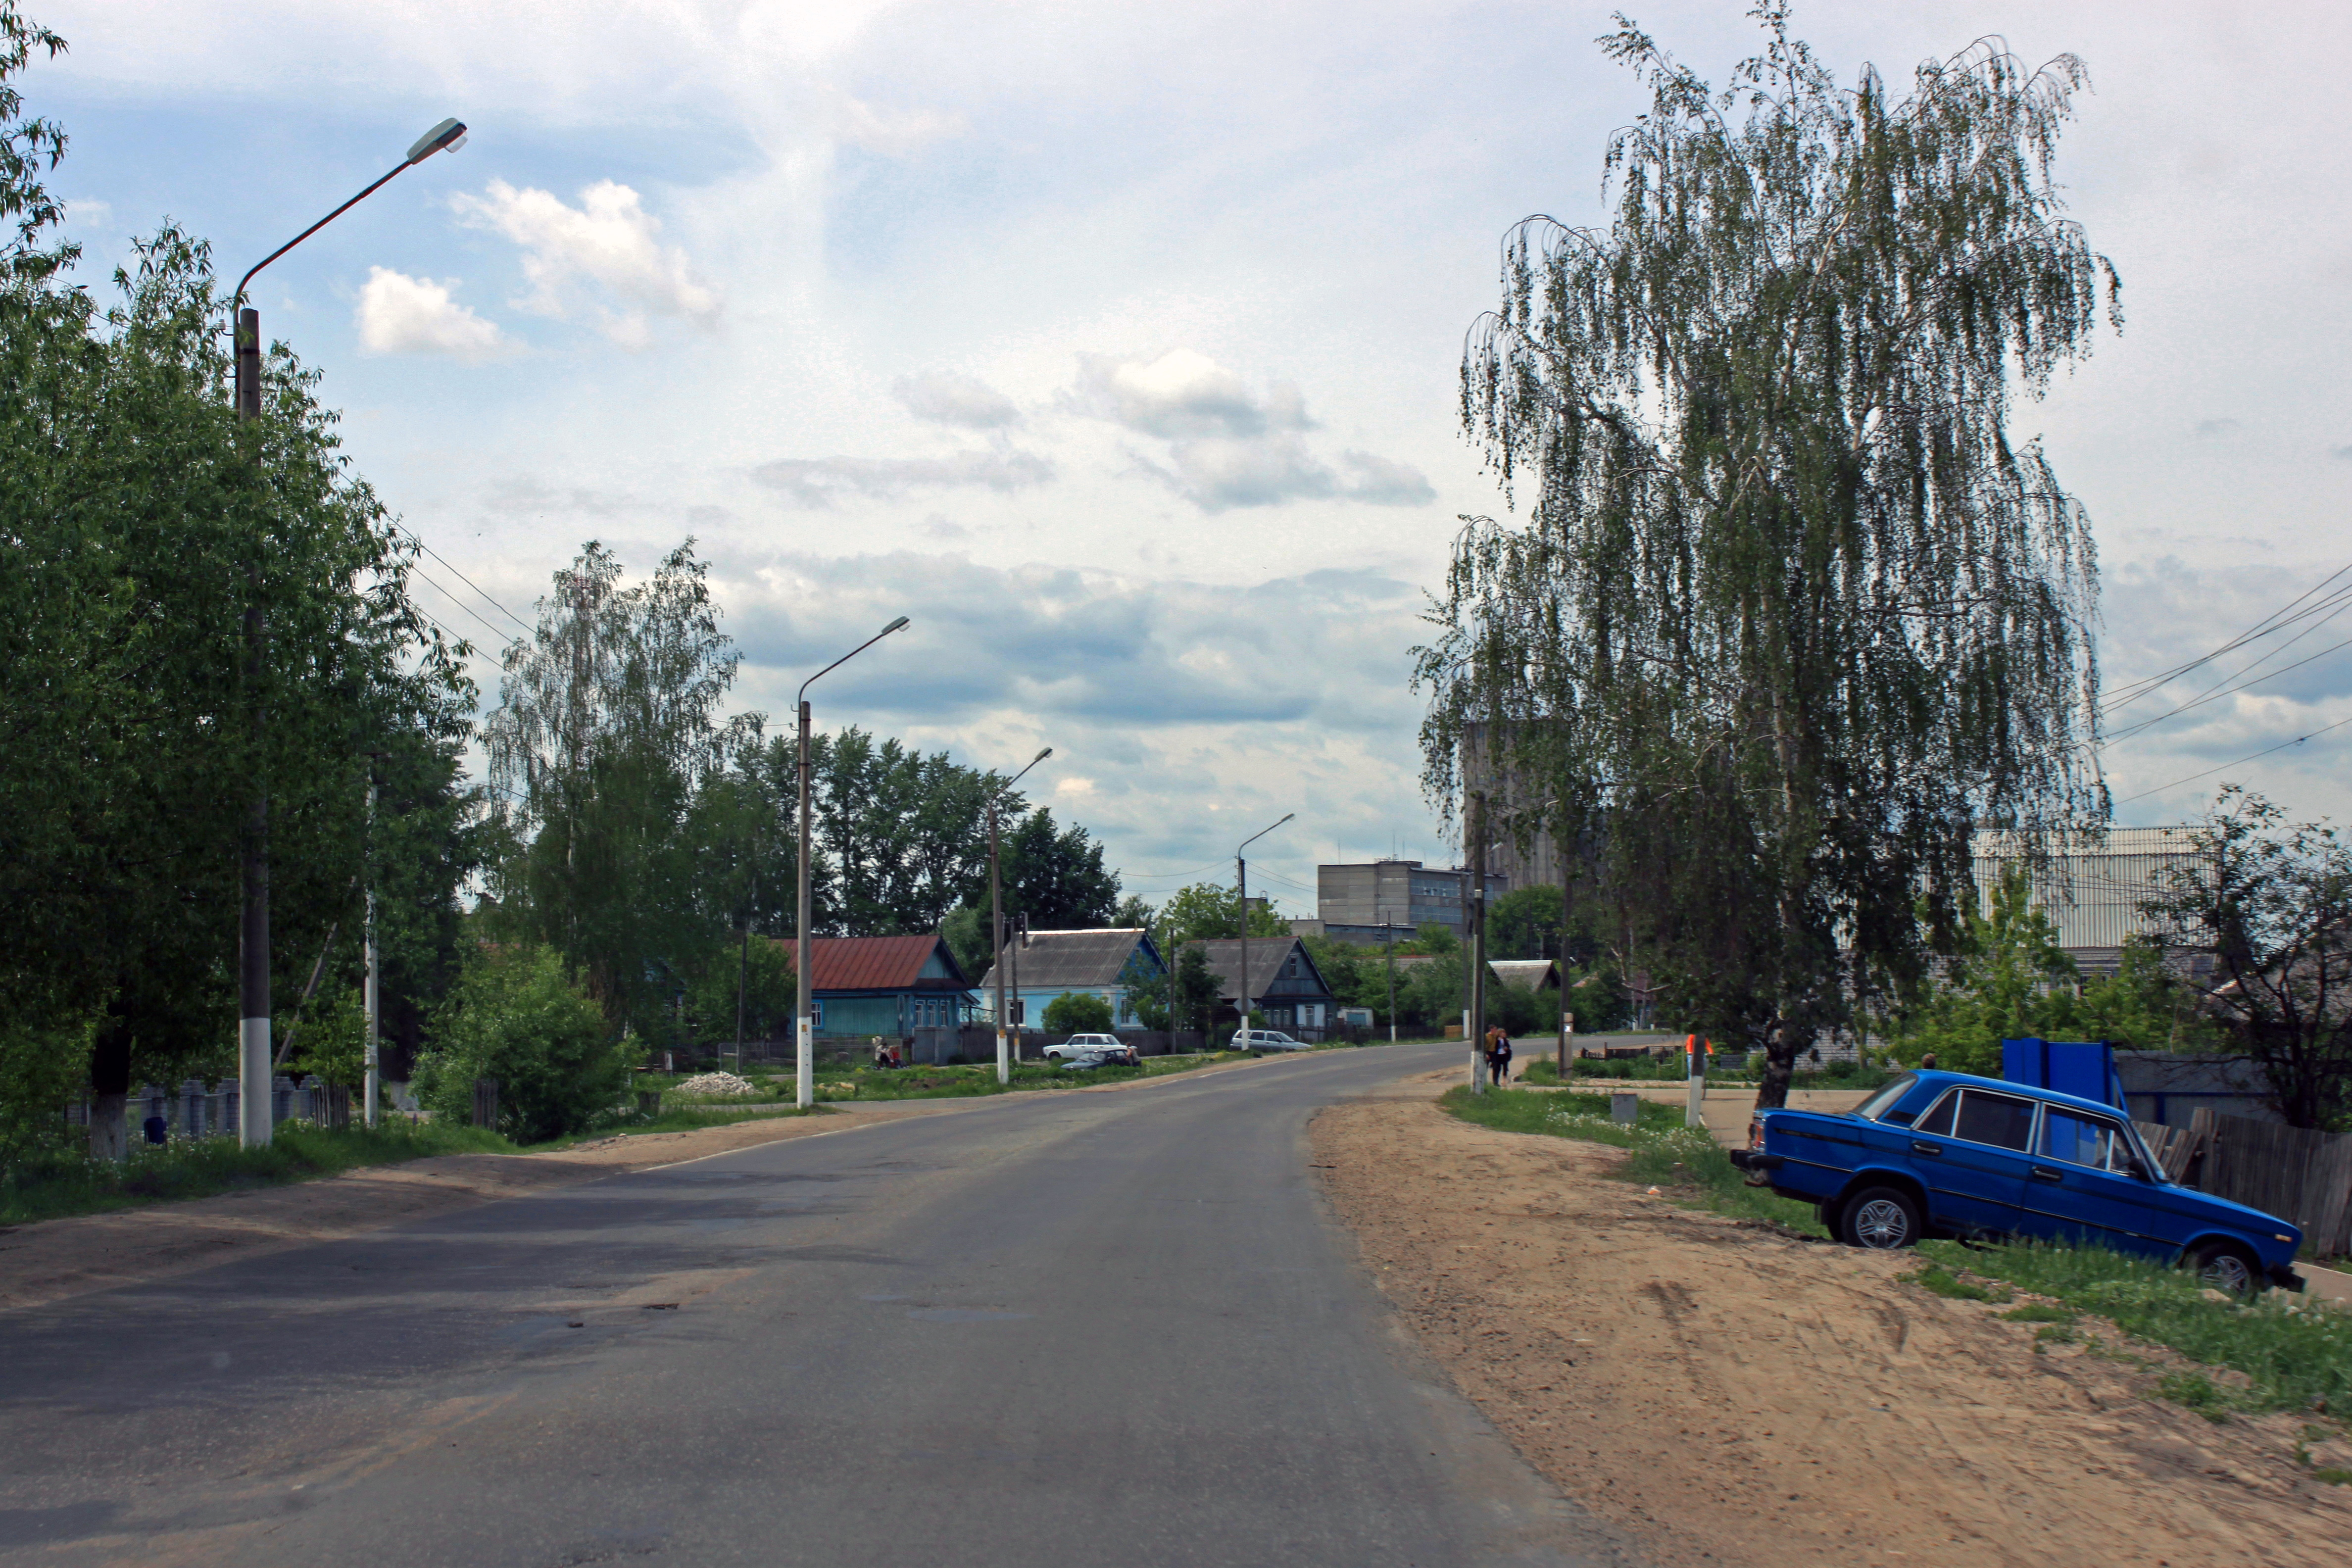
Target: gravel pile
{"type": "Point", "coordinates": [714, 1083]}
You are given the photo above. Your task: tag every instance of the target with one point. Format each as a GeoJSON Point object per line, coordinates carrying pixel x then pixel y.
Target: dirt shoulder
{"type": "Point", "coordinates": [1728, 1395]}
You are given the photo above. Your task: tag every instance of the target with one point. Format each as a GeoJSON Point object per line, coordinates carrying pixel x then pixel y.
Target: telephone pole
{"type": "Point", "coordinates": [1477, 941]}
{"type": "Point", "coordinates": [1240, 878]}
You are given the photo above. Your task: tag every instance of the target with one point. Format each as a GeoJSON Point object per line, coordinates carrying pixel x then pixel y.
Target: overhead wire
{"type": "Point", "coordinates": [2277, 620]}
{"type": "Point", "coordinates": [2209, 773]}
{"type": "Point", "coordinates": [417, 541]}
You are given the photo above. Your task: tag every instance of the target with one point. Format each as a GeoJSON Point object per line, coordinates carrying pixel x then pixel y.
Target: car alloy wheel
{"type": "Point", "coordinates": [1880, 1218]}
{"type": "Point", "coordinates": [2225, 1268]}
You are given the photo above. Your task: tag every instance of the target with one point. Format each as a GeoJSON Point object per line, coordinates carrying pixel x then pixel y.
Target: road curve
{"type": "Point", "coordinates": [1108, 1328]}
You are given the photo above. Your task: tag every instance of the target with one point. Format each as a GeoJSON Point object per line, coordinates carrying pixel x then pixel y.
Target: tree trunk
{"type": "Point", "coordinates": [1783, 1043]}
{"type": "Point", "coordinates": [110, 1086]}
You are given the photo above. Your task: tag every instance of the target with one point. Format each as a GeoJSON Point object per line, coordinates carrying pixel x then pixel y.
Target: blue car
{"type": "Point", "coordinates": [1944, 1154]}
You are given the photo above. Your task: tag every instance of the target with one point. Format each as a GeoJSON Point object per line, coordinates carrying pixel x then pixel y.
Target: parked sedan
{"type": "Point", "coordinates": [1265, 1040]}
{"type": "Point", "coordinates": [1077, 1045]}
{"type": "Point", "coordinates": [1942, 1153]}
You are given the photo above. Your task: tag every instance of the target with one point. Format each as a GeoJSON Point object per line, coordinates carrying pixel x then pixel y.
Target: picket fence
{"type": "Point", "coordinates": [192, 1110]}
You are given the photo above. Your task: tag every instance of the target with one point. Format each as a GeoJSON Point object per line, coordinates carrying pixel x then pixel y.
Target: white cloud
{"type": "Point", "coordinates": [819, 482]}
{"type": "Point", "coordinates": [402, 315]}
{"type": "Point", "coordinates": [947, 398]}
{"type": "Point", "coordinates": [1230, 445]}
{"type": "Point", "coordinates": [1184, 394]}
{"type": "Point", "coordinates": [609, 240]}
{"type": "Point", "coordinates": [84, 211]}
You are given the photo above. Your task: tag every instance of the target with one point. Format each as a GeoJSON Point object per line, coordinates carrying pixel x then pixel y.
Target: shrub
{"type": "Point", "coordinates": [1078, 1012]}
{"type": "Point", "coordinates": [518, 1016]}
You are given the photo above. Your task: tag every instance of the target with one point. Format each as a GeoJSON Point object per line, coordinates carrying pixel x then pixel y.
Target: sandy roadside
{"type": "Point", "coordinates": [58, 1258]}
{"type": "Point", "coordinates": [1728, 1395]}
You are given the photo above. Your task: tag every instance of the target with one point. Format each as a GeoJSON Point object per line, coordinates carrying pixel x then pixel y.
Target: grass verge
{"type": "Point", "coordinates": [1683, 1163]}
{"type": "Point", "coordinates": [50, 1187]}
{"type": "Point", "coordinates": [2295, 1354]}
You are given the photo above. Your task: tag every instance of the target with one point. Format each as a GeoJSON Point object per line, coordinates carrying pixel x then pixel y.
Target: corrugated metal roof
{"type": "Point", "coordinates": [1077, 959]}
{"type": "Point", "coordinates": [877, 963]}
{"type": "Point", "coordinates": [2092, 887]}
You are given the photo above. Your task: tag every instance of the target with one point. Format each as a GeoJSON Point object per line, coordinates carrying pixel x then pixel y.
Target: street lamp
{"type": "Point", "coordinates": [804, 976]}
{"type": "Point", "coordinates": [996, 907]}
{"type": "Point", "coordinates": [1241, 880]}
{"type": "Point", "coordinates": [254, 1119]}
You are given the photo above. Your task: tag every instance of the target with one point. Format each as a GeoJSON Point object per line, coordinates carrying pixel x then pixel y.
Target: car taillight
{"type": "Point", "coordinates": [1756, 1133]}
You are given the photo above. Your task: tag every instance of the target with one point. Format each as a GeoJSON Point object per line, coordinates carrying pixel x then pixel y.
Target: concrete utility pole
{"type": "Point", "coordinates": [1479, 941]}
{"type": "Point", "coordinates": [1567, 1018]}
{"type": "Point", "coordinates": [804, 974]}
{"type": "Point", "coordinates": [370, 1089]}
{"type": "Point", "coordinates": [1241, 880]}
{"type": "Point", "coordinates": [996, 917]}
{"type": "Point", "coordinates": [255, 1122]}
{"type": "Point", "coordinates": [1380, 913]}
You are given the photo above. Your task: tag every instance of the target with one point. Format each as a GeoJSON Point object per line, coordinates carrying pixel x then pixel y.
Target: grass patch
{"type": "Point", "coordinates": [50, 1187]}
{"type": "Point", "coordinates": [2296, 1352]}
{"type": "Point", "coordinates": [2198, 1392]}
{"type": "Point", "coordinates": [2039, 1312]}
{"type": "Point", "coordinates": [1939, 1280]}
{"type": "Point", "coordinates": [1659, 1150]}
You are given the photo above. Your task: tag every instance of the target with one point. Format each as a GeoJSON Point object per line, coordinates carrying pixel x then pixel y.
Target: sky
{"type": "Point", "coordinates": [1117, 345]}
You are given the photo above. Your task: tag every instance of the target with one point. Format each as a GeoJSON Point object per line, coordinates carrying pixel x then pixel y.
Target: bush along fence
{"type": "Point", "coordinates": [2301, 1176]}
{"type": "Point", "coordinates": [192, 1110]}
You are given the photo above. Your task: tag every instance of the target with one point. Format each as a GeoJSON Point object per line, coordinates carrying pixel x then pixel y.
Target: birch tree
{"type": "Point", "coordinates": [1791, 610]}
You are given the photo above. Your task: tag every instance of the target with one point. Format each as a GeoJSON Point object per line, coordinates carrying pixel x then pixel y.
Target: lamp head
{"type": "Point", "coordinates": [1041, 756]}
{"type": "Point", "coordinates": [445, 137]}
{"type": "Point", "coordinates": [893, 625]}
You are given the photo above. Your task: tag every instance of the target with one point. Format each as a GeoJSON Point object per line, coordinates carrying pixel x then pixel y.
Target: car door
{"type": "Point", "coordinates": [1971, 1151]}
{"type": "Point", "coordinates": [2083, 1188]}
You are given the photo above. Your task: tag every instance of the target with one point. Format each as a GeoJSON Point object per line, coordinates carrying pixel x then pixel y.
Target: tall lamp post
{"type": "Point", "coordinates": [996, 917]}
{"type": "Point", "coordinates": [1241, 880]}
{"type": "Point", "coordinates": [255, 1122]}
{"type": "Point", "coordinates": [804, 974]}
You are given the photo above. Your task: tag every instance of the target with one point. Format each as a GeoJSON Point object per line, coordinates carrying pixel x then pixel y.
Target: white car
{"type": "Point", "coordinates": [1265, 1040]}
{"type": "Point", "coordinates": [1077, 1045]}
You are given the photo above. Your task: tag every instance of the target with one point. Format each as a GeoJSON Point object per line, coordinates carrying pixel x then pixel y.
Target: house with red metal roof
{"type": "Point", "coordinates": [888, 985]}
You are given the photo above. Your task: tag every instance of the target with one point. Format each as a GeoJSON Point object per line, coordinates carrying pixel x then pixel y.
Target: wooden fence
{"type": "Point", "coordinates": [2301, 1176]}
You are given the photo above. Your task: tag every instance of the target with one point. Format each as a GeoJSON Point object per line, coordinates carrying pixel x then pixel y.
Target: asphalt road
{"type": "Point", "coordinates": [1113, 1328]}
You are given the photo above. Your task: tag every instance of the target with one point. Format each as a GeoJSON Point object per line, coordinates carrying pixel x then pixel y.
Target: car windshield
{"type": "Point", "coordinates": [1884, 1096]}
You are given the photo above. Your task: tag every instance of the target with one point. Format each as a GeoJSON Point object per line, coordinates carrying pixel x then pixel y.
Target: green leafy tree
{"type": "Point", "coordinates": [1791, 613]}
{"type": "Point", "coordinates": [2272, 902]}
{"type": "Point", "coordinates": [608, 726]}
{"type": "Point", "coordinates": [518, 1016]}
{"type": "Point", "coordinates": [1193, 990]}
{"type": "Point", "coordinates": [762, 969]}
{"type": "Point", "coordinates": [2008, 978]}
{"type": "Point", "coordinates": [2146, 1004]}
{"type": "Point", "coordinates": [1525, 923]}
{"type": "Point", "coordinates": [140, 520]}
{"type": "Point", "coordinates": [1433, 937]}
{"type": "Point", "coordinates": [1078, 1012]}
{"type": "Point", "coordinates": [1204, 911]}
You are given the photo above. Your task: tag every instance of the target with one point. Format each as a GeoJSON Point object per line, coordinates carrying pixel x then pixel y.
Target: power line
{"type": "Point", "coordinates": [2209, 773]}
{"type": "Point", "coordinates": [496, 634]}
{"type": "Point", "coordinates": [2214, 696]}
{"type": "Point", "coordinates": [2268, 623]}
{"type": "Point", "coordinates": [461, 577]}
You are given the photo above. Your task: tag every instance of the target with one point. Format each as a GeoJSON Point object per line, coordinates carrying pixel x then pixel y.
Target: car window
{"type": "Point", "coordinates": [1881, 1098]}
{"type": "Point", "coordinates": [2002, 1120]}
{"type": "Point", "coordinates": [1939, 1120]}
{"type": "Point", "coordinates": [2085, 1141]}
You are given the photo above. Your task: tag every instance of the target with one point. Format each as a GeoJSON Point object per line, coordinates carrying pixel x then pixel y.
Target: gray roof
{"type": "Point", "coordinates": [1267, 956]}
{"type": "Point", "coordinates": [2170, 1072]}
{"type": "Point", "coordinates": [1078, 960]}
{"type": "Point", "coordinates": [1535, 974]}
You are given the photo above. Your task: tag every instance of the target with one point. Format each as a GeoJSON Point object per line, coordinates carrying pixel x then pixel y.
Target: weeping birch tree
{"type": "Point", "coordinates": [1789, 611]}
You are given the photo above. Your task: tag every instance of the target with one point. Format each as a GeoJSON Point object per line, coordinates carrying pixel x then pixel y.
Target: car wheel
{"type": "Point", "coordinates": [2227, 1266]}
{"type": "Point", "coordinates": [1881, 1218]}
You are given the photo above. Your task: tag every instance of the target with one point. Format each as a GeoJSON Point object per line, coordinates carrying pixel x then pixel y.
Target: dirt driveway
{"type": "Point", "coordinates": [1727, 1396]}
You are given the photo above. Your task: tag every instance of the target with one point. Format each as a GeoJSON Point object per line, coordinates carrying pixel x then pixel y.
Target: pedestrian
{"type": "Point", "coordinates": [1498, 1055]}
{"type": "Point", "coordinates": [1928, 1062]}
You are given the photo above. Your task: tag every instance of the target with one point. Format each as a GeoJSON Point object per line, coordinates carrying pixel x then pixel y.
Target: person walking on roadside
{"type": "Point", "coordinates": [1498, 1055]}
